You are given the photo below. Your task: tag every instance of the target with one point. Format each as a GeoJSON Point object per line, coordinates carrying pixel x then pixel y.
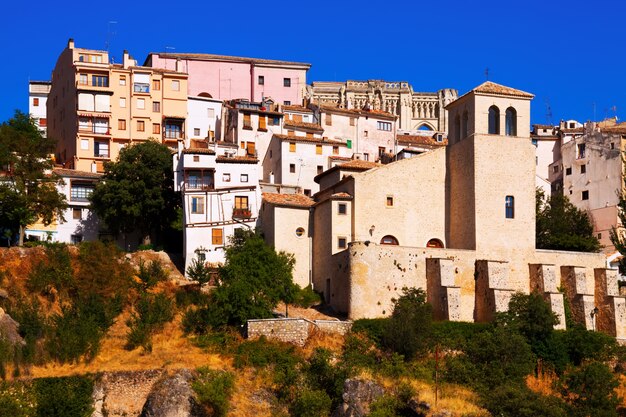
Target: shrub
{"type": "Point", "coordinates": [64, 397]}
{"type": "Point", "coordinates": [33, 326]}
{"type": "Point", "coordinates": [151, 274]}
{"type": "Point", "coordinates": [359, 352]}
{"type": "Point", "coordinates": [151, 311]}
{"type": "Point", "coordinates": [191, 295]}
{"type": "Point", "coordinates": [55, 272]}
{"type": "Point", "coordinates": [583, 345]}
{"type": "Point", "coordinates": [199, 271]}
{"type": "Point", "coordinates": [323, 375]}
{"type": "Point", "coordinates": [374, 329]}
{"type": "Point", "coordinates": [214, 389]}
{"type": "Point", "coordinates": [311, 403]}
{"type": "Point", "coordinates": [516, 400]}
{"type": "Point", "coordinates": [306, 297]}
{"type": "Point", "coordinates": [16, 400]}
{"type": "Point", "coordinates": [590, 391]}
{"type": "Point", "coordinates": [410, 326]}
{"type": "Point", "coordinates": [455, 335]}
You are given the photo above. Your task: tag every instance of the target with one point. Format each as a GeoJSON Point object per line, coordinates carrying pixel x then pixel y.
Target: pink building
{"type": "Point", "coordinates": [229, 77]}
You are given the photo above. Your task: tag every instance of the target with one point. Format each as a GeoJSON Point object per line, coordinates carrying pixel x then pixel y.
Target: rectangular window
{"type": "Point", "coordinates": [307, 192]}
{"type": "Point", "coordinates": [287, 82]}
{"type": "Point", "coordinates": [156, 106]}
{"type": "Point", "coordinates": [509, 207]}
{"type": "Point", "coordinates": [241, 202]}
{"type": "Point", "coordinates": [352, 121]}
{"type": "Point", "coordinates": [318, 149]}
{"type": "Point", "coordinates": [210, 113]}
{"type": "Point", "coordinates": [217, 236]}
{"type": "Point", "coordinates": [580, 151]}
{"type": "Point", "coordinates": [291, 133]}
{"type": "Point", "coordinates": [366, 157]}
{"type": "Point", "coordinates": [226, 177]}
{"type": "Point", "coordinates": [292, 146]}
{"type": "Point", "coordinates": [141, 103]}
{"type": "Point", "coordinates": [156, 128]}
{"type": "Point", "coordinates": [262, 123]}
{"type": "Point", "coordinates": [77, 214]}
{"type": "Point", "coordinates": [122, 80]}
{"type": "Point", "coordinates": [386, 126]}
{"type": "Point", "coordinates": [275, 121]}
{"type": "Point", "coordinates": [292, 168]}
{"type": "Point", "coordinates": [381, 151]}
{"type": "Point", "coordinates": [175, 85]}
{"type": "Point", "coordinates": [101, 149]}
{"type": "Point", "coordinates": [244, 178]}
{"type": "Point", "coordinates": [309, 134]}
{"type": "Point", "coordinates": [585, 195]}
{"type": "Point", "coordinates": [100, 80]}
{"type": "Point", "coordinates": [197, 205]}
{"type": "Point", "coordinates": [320, 169]}
{"type": "Point", "coordinates": [261, 80]}
{"type": "Point", "coordinates": [250, 149]}
{"type": "Point", "coordinates": [389, 201]}
{"type": "Point", "coordinates": [342, 208]}
{"type": "Point", "coordinates": [342, 242]}
{"type": "Point", "coordinates": [141, 87]}
{"type": "Point", "coordinates": [247, 123]}
{"type": "Point", "coordinates": [349, 143]}
{"type": "Point", "coordinates": [365, 133]}
{"type": "Point", "coordinates": [43, 122]}
{"type": "Point", "coordinates": [141, 126]}
{"type": "Point", "coordinates": [84, 144]}
{"type": "Point", "coordinates": [35, 102]}
{"type": "Point", "coordinates": [156, 85]}
{"type": "Point", "coordinates": [80, 191]}
{"type": "Point", "coordinates": [329, 119]}
{"type": "Point", "coordinates": [122, 102]}
{"type": "Point", "coordinates": [555, 169]}
{"type": "Point", "coordinates": [121, 124]}
{"type": "Point", "coordinates": [83, 79]}
{"type": "Point", "coordinates": [583, 169]}
{"type": "Point", "coordinates": [568, 171]}
{"type": "Point", "coordinates": [196, 131]}
{"type": "Point", "coordinates": [335, 150]}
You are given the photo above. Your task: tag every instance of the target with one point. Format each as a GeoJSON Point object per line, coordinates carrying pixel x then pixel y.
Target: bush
{"type": "Point", "coordinates": [199, 271]}
{"type": "Point", "coordinates": [33, 326]}
{"type": "Point", "coordinates": [359, 352]}
{"type": "Point", "coordinates": [311, 403]}
{"type": "Point", "coordinates": [63, 397]}
{"type": "Point", "coordinates": [374, 329]}
{"type": "Point", "coordinates": [53, 273]}
{"type": "Point", "coordinates": [323, 375]}
{"type": "Point", "coordinates": [583, 345]}
{"type": "Point", "coordinates": [590, 391]}
{"type": "Point", "coordinates": [455, 335]}
{"type": "Point", "coordinates": [191, 295]}
{"type": "Point", "coordinates": [218, 342]}
{"type": "Point", "coordinates": [214, 389]}
{"type": "Point", "coordinates": [151, 274]}
{"type": "Point", "coordinates": [516, 400]}
{"type": "Point", "coordinates": [151, 311]}
{"type": "Point", "coordinates": [16, 400]}
{"type": "Point", "coordinates": [409, 329]}
{"type": "Point", "coordinates": [306, 297]}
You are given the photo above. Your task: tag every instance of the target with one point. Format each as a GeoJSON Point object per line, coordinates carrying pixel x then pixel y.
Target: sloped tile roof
{"type": "Point", "coordinates": [213, 57]}
{"type": "Point", "coordinates": [64, 172]}
{"type": "Point", "coordinates": [312, 140]}
{"type": "Point", "coordinates": [420, 140]}
{"type": "Point", "coordinates": [236, 159]}
{"type": "Point", "coordinates": [489, 87]}
{"type": "Point", "coordinates": [288, 200]}
{"type": "Point", "coordinates": [303, 125]}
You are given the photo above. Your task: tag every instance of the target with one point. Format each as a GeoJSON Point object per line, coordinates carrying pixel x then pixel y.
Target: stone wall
{"type": "Point", "coordinates": [123, 394]}
{"type": "Point", "coordinates": [294, 330]}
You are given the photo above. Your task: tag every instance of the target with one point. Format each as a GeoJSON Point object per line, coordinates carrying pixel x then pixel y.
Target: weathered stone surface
{"type": "Point", "coordinates": [173, 397]}
{"type": "Point", "coordinates": [3, 293]}
{"type": "Point", "coordinates": [9, 329]}
{"type": "Point", "coordinates": [294, 330]}
{"type": "Point", "coordinates": [419, 408]}
{"type": "Point", "coordinates": [123, 393]}
{"type": "Point", "coordinates": [358, 394]}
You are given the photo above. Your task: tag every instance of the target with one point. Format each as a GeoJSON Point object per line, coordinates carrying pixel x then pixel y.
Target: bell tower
{"type": "Point", "coordinates": [490, 165]}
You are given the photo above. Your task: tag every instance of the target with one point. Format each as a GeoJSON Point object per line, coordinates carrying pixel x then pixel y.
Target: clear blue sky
{"type": "Point", "coordinates": [571, 54]}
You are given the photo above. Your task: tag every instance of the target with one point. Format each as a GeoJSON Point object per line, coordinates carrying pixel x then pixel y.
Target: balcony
{"type": "Point", "coordinates": [141, 88]}
{"type": "Point", "coordinates": [96, 130]}
{"type": "Point", "coordinates": [242, 213]}
{"type": "Point", "coordinates": [199, 184]}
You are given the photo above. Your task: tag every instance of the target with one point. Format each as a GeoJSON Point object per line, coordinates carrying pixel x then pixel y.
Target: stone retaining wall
{"type": "Point", "coordinates": [294, 330]}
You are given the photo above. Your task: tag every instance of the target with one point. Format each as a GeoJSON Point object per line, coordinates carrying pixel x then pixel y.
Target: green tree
{"type": "Point", "coordinates": [590, 390]}
{"type": "Point", "coordinates": [410, 327]}
{"type": "Point", "coordinates": [562, 226]}
{"type": "Point", "coordinates": [253, 280]}
{"type": "Point", "coordinates": [137, 191]}
{"type": "Point", "coordinates": [28, 192]}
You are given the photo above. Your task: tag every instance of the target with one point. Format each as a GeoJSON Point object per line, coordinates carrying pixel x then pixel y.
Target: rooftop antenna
{"type": "Point", "coordinates": [110, 34]}
{"type": "Point", "coordinates": [487, 74]}
{"type": "Point", "coordinates": [548, 112]}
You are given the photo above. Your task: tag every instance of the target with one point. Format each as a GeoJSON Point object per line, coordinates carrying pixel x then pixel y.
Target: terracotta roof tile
{"type": "Point", "coordinates": [420, 140]}
{"type": "Point", "coordinates": [489, 87]}
{"type": "Point", "coordinates": [301, 109]}
{"type": "Point", "coordinates": [340, 158]}
{"type": "Point", "coordinates": [303, 125]}
{"type": "Point", "coordinates": [202, 151]}
{"type": "Point", "coordinates": [288, 200]}
{"type": "Point", "coordinates": [64, 172]}
{"type": "Point", "coordinates": [616, 128]}
{"type": "Point", "coordinates": [358, 164]}
{"type": "Point", "coordinates": [344, 196]}
{"type": "Point", "coordinates": [236, 159]}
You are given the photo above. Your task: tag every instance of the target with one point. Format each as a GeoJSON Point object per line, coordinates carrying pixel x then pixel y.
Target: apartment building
{"type": "Point", "coordinates": [204, 118]}
{"type": "Point", "coordinates": [37, 98]}
{"type": "Point", "coordinates": [547, 150]}
{"type": "Point", "coordinates": [95, 108]}
{"type": "Point", "coordinates": [229, 77]}
{"type": "Point", "coordinates": [220, 193]}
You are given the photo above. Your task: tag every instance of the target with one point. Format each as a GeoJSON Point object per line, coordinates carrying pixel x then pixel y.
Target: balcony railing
{"type": "Point", "coordinates": [173, 134]}
{"type": "Point", "coordinates": [242, 213]}
{"type": "Point", "coordinates": [98, 130]}
{"type": "Point", "coordinates": [199, 184]}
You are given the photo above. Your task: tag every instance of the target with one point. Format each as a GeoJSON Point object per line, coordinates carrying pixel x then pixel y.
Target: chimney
{"type": "Point", "coordinates": [179, 65]}
{"type": "Point", "coordinates": [70, 43]}
{"type": "Point", "coordinates": [126, 59]}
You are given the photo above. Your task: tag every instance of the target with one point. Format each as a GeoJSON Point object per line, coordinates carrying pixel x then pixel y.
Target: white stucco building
{"type": "Point", "coordinates": [37, 98]}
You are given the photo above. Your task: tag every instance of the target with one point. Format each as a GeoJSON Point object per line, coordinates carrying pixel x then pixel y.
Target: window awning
{"type": "Point", "coordinates": [93, 114]}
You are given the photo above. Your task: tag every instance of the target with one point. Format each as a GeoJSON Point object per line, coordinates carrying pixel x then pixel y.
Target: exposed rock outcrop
{"type": "Point", "coordinates": [123, 394]}
{"type": "Point", "coordinates": [358, 394]}
{"type": "Point", "coordinates": [9, 330]}
{"type": "Point", "coordinates": [173, 397]}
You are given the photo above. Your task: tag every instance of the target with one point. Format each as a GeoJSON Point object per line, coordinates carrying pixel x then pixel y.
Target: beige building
{"type": "Point", "coordinates": [37, 97]}
{"type": "Point", "coordinates": [415, 110]}
{"type": "Point", "coordinates": [547, 150]}
{"type": "Point", "coordinates": [465, 235]}
{"type": "Point", "coordinates": [95, 108]}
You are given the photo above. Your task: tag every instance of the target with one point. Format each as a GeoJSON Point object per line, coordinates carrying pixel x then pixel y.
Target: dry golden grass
{"type": "Point", "coordinates": [543, 383]}
{"type": "Point", "coordinates": [170, 350]}
{"type": "Point", "coordinates": [621, 390]}
{"type": "Point", "coordinates": [252, 396]}
{"type": "Point", "coordinates": [332, 342]}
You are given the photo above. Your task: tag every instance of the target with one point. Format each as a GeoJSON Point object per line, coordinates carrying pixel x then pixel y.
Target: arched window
{"type": "Point", "coordinates": [457, 127]}
{"type": "Point", "coordinates": [464, 128]}
{"type": "Point", "coordinates": [205, 94]}
{"type": "Point", "coordinates": [494, 120]}
{"type": "Point", "coordinates": [509, 207]}
{"type": "Point", "coordinates": [389, 240]}
{"type": "Point", "coordinates": [511, 122]}
{"type": "Point", "coordinates": [425, 127]}
{"type": "Point", "coordinates": [434, 243]}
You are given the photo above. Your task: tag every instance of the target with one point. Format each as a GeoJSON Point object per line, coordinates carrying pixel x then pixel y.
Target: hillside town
{"type": "Point", "coordinates": [371, 185]}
